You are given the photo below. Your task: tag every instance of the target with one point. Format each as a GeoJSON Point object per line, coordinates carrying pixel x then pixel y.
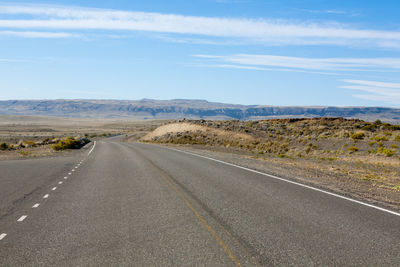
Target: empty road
{"type": "Point", "coordinates": [131, 204]}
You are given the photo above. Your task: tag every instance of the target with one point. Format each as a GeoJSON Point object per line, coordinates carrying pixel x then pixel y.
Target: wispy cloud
{"type": "Point", "coordinates": [301, 63]}
{"type": "Point", "coordinates": [258, 30]}
{"type": "Point", "coordinates": [329, 11]}
{"type": "Point", "coordinates": [12, 60]}
{"type": "Point", "coordinates": [244, 67]}
{"type": "Point", "coordinates": [375, 90]}
{"type": "Point", "coordinates": [30, 34]}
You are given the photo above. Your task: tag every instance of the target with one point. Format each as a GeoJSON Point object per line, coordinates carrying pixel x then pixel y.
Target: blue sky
{"type": "Point", "coordinates": [304, 52]}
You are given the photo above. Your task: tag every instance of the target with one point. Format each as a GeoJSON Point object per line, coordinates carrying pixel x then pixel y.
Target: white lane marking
{"type": "Point", "coordinates": [22, 218]}
{"type": "Point", "coordinates": [2, 236]}
{"type": "Point", "coordinates": [288, 181]}
{"type": "Point", "coordinates": [46, 196]}
{"type": "Point", "coordinates": [73, 170]}
{"type": "Point", "coordinates": [94, 144]}
{"type": "Point", "coordinates": [69, 173]}
{"type": "Point", "coordinates": [36, 205]}
{"type": "Point", "coordinates": [65, 177]}
{"type": "Point", "coordinates": [60, 182]}
{"type": "Point", "coordinates": [54, 188]}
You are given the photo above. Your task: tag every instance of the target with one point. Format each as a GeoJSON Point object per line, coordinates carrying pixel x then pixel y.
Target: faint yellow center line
{"type": "Point", "coordinates": [202, 220]}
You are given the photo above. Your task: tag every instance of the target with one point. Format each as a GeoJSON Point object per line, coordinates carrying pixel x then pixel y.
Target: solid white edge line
{"type": "Point", "coordinates": [2, 236]}
{"type": "Point", "coordinates": [22, 218]}
{"type": "Point", "coordinates": [94, 144]}
{"type": "Point", "coordinates": [46, 196]}
{"type": "Point", "coordinates": [288, 181]}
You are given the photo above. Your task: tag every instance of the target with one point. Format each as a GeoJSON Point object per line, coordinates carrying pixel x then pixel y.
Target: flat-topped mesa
{"type": "Point", "coordinates": [191, 109]}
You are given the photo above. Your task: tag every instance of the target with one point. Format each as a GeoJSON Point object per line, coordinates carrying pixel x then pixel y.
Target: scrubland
{"type": "Point", "coordinates": [38, 136]}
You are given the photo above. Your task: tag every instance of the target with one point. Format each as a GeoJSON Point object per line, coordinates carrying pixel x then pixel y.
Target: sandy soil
{"type": "Point", "coordinates": [189, 127]}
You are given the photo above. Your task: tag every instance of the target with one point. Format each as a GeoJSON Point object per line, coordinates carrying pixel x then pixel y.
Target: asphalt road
{"type": "Point", "coordinates": [146, 205]}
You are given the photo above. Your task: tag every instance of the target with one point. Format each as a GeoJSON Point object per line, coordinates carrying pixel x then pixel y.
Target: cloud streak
{"type": "Point", "coordinates": [302, 63]}
{"type": "Point", "coordinates": [375, 90]}
{"type": "Point", "coordinates": [257, 30]}
{"type": "Point", "coordinates": [47, 35]}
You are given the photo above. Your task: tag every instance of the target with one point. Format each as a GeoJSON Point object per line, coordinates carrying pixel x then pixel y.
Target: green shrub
{"type": "Point", "coordinates": [70, 143]}
{"type": "Point", "coordinates": [3, 146]}
{"type": "Point", "coordinates": [380, 138]}
{"type": "Point", "coordinates": [358, 136]}
{"type": "Point", "coordinates": [369, 127]}
{"type": "Point", "coordinates": [353, 149]}
{"type": "Point", "coordinates": [397, 138]}
{"type": "Point", "coordinates": [385, 151]}
{"type": "Point", "coordinates": [394, 146]}
{"type": "Point", "coordinates": [371, 143]}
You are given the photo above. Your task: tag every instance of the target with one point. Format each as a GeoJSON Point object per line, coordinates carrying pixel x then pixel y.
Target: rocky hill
{"type": "Point", "coordinates": [181, 108]}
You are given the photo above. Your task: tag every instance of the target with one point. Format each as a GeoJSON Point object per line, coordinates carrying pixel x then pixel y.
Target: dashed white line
{"type": "Point", "coordinates": [60, 182]}
{"type": "Point", "coordinates": [23, 217]}
{"type": "Point", "coordinates": [66, 177]}
{"type": "Point", "coordinates": [46, 196]}
{"type": "Point", "coordinates": [54, 188]}
{"type": "Point", "coordinates": [69, 173]}
{"type": "Point", "coordinates": [2, 236]}
{"type": "Point", "coordinates": [73, 170]}
{"type": "Point", "coordinates": [36, 205]}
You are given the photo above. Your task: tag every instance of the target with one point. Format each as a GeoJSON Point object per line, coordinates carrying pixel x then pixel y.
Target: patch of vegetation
{"type": "Point", "coordinates": [371, 143]}
{"type": "Point", "coordinates": [358, 136]}
{"type": "Point", "coordinates": [381, 138]}
{"type": "Point", "coordinates": [4, 146]}
{"type": "Point", "coordinates": [353, 149]}
{"type": "Point", "coordinates": [70, 143]}
{"type": "Point", "coordinates": [24, 153]}
{"type": "Point", "coordinates": [386, 152]}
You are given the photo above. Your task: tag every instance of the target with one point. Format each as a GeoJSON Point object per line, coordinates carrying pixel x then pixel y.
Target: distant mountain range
{"type": "Point", "coordinates": [182, 108]}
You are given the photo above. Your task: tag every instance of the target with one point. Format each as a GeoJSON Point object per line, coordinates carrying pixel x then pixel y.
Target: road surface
{"type": "Point", "coordinates": [131, 204]}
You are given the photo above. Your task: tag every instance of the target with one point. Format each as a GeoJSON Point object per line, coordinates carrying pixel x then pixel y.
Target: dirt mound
{"type": "Point", "coordinates": [189, 128]}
